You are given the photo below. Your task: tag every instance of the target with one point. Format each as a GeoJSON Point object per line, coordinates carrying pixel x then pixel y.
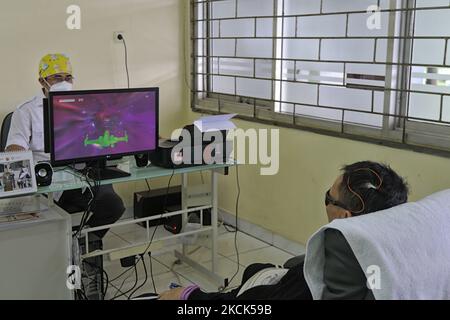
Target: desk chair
{"type": "Point", "coordinates": [403, 251]}
{"type": "Point", "coordinates": [6, 124]}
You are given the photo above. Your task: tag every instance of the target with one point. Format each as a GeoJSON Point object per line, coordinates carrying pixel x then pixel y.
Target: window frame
{"type": "Point", "coordinates": [398, 129]}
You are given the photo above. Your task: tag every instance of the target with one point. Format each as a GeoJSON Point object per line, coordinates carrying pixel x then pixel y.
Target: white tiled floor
{"type": "Point", "coordinates": [166, 271]}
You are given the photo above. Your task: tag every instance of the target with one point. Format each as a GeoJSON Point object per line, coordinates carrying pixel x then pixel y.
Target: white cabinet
{"type": "Point", "coordinates": [34, 259]}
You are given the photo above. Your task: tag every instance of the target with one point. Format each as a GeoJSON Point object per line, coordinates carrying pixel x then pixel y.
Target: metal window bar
{"type": "Point", "coordinates": [404, 64]}
{"type": "Point", "coordinates": [415, 9]}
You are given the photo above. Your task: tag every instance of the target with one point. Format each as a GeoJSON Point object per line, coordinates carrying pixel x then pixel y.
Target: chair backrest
{"type": "Point", "coordinates": [408, 245]}
{"type": "Point", "coordinates": [5, 131]}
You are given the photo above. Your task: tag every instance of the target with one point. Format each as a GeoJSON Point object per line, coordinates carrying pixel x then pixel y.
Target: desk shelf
{"type": "Point", "coordinates": [207, 200]}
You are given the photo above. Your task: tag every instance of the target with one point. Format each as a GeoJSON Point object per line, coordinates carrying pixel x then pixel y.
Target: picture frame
{"type": "Point", "coordinates": [17, 176]}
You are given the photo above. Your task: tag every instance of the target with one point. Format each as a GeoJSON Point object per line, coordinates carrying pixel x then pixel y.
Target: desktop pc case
{"type": "Point", "coordinates": [92, 269]}
{"type": "Point", "coordinates": [153, 202]}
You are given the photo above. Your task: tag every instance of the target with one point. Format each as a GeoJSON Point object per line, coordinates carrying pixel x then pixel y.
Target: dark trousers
{"type": "Point", "coordinates": [292, 286]}
{"type": "Point", "coordinates": [106, 209]}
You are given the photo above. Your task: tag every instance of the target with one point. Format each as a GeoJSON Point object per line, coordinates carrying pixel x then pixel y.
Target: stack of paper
{"type": "Point", "coordinates": [215, 123]}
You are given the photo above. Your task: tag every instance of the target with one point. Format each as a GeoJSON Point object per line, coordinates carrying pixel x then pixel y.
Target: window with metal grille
{"type": "Point", "coordinates": [374, 70]}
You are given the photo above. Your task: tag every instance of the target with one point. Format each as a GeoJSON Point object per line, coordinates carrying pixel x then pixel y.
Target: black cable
{"type": "Point", "coordinates": [94, 191]}
{"type": "Point", "coordinates": [84, 217]}
{"type": "Point", "coordinates": [143, 283]}
{"type": "Point", "coordinates": [107, 283]}
{"type": "Point", "coordinates": [153, 235]}
{"type": "Point", "coordinates": [81, 295]}
{"type": "Point", "coordinates": [167, 191]}
{"type": "Point", "coordinates": [120, 275]}
{"type": "Point", "coordinates": [148, 185]}
{"type": "Point", "coordinates": [151, 272]}
{"type": "Point", "coordinates": [104, 290]}
{"type": "Point", "coordinates": [83, 292]}
{"type": "Point", "coordinates": [154, 231]}
{"type": "Point", "coordinates": [112, 285]}
{"type": "Point", "coordinates": [120, 288]}
{"type": "Point", "coordinates": [82, 222]}
{"type": "Point", "coordinates": [132, 288]}
{"type": "Point", "coordinates": [126, 59]}
{"type": "Point", "coordinates": [236, 227]}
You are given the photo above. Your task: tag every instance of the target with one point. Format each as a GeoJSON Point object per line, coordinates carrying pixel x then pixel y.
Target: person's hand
{"type": "Point", "coordinates": [174, 294]}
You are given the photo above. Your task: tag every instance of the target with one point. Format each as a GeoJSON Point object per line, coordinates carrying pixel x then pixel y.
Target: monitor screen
{"type": "Point", "coordinates": [87, 125]}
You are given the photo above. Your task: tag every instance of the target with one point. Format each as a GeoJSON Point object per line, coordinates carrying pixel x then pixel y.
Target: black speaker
{"type": "Point", "coordinates": [141, 159]}
{"type": "Point", "coordinates": [44, 174]}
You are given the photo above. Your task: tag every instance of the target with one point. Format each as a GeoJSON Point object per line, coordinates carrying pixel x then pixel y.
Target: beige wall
{"type": "Point", "coordinates": [31, 28]}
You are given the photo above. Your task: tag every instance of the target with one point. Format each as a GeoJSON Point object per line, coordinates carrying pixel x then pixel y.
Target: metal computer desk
{"type": "Point", "coordinates": [188, 200]}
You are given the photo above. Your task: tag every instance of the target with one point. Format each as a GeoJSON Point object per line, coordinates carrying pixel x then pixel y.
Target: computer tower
{"type": "Point", "coordinates": [174, 223]}
{"type": "Point", "coordinates": [151, 203]}
{"type": "Point", "coordinates": [92, 269]}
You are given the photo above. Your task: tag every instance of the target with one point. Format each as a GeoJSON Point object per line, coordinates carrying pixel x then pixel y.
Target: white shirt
{"type": "Point", "coordinates": [27, 128]}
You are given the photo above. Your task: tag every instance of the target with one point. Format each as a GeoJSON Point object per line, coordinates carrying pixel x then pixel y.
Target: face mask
{"type": "Point", "coordinates": [62, 86]}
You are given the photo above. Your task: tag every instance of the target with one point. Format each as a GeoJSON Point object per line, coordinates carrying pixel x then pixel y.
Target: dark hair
{"type": "Point", "coordinates": [369, 187]}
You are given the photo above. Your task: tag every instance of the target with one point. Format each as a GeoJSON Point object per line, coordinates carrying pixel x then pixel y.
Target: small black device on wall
{"type": "Point", "coordinates": [44, 174]}
{"type": "Point", "coordinates": [141, 160]}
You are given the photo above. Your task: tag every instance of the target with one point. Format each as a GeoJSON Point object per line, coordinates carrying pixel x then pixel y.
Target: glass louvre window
{"type": "Point", "coordinates": [375, 70]}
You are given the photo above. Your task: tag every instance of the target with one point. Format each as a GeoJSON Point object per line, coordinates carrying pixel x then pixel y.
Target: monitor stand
{"type": "Point", "coordinates": [99, 171]}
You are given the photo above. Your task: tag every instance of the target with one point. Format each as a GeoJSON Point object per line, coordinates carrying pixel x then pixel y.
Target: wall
{"type": "Point", "coordinates": [31, 29]}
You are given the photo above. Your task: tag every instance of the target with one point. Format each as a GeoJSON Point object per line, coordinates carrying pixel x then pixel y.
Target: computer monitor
{"type": "Point", "coordinates": [98, 125]}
